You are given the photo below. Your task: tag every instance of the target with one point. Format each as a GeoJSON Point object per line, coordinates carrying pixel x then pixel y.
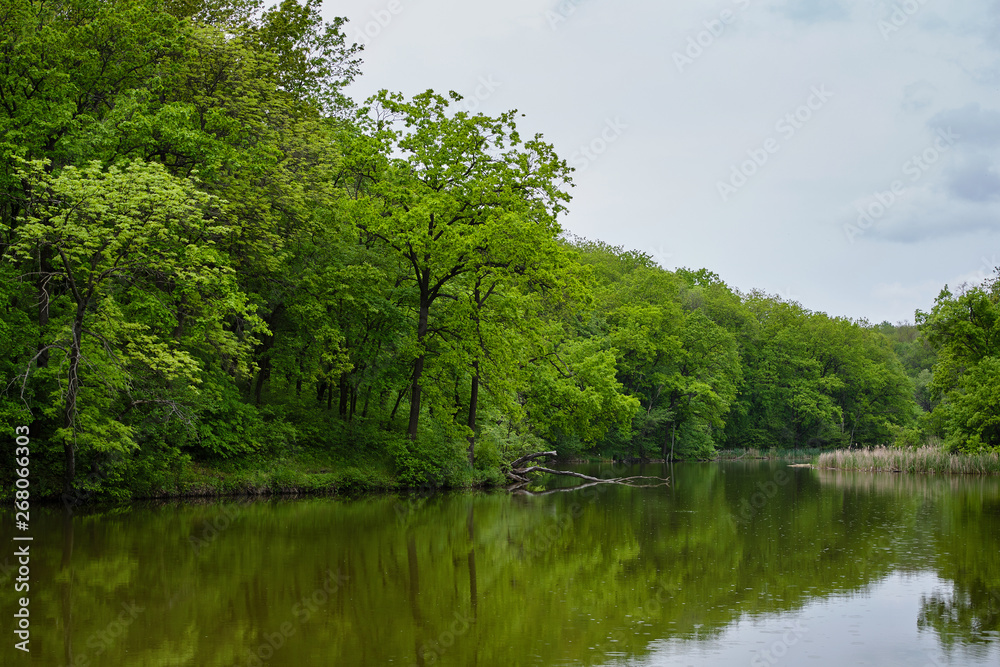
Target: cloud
{"type": "Point", "coordinates": [814, 11]}
{"type": "Point", "coordinates": [972, 175]}
{"type": "Point", "coordinates": [973, 124]}
{"type": "Point", "coordinates": [988, 267]}
{"type": "Point", "coordinates": [974, 178]}
{"type": "Point", "coordinates": [929, 216]}
{"type": "Point", "coordinates": [918, 95]}
{"type": "Point", "coordinates": [991, 26]}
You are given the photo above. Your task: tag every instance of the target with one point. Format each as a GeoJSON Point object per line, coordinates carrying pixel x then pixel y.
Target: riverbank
{"type": "Point", "coordinates": [287, 476]}
{"type": "Point", "coordinates": [307, 471]}
{"type": "Point", "coordinates": [767, 454]}
{"type": "Point", "coordinates": [922, 459]}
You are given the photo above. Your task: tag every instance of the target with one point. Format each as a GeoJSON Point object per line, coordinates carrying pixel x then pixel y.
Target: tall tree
{"type": "Point", "coordinates": [459, 192]}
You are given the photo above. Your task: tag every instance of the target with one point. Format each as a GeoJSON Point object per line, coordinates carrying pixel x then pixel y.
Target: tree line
{"type": "Point", "coordinates": [210, 252]}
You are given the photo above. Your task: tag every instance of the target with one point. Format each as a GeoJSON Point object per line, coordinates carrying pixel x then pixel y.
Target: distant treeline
{"type": "Point", "coordinates": [210, 253]}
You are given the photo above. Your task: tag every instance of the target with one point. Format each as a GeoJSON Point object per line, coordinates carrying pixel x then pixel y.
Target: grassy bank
{"type": "Point", "coordinates": [287, 476]}
{"type": "Point", "coordinates": [348, 468]}
{"type": "Point", "coordinates": [923, 459]}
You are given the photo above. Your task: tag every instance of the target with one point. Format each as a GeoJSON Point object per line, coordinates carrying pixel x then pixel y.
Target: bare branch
{"type": "Point", "coordinates": [530, 457]}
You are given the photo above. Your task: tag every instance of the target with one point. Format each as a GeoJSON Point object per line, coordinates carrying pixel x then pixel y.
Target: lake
{"type": "Point", "coordinates": [742, 563]}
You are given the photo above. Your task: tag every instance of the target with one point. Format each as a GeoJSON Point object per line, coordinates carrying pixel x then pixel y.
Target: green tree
{"type": "Point", "coordinates": [138, 292]}
{"type": "Point", "coordinates": [464, 191]}
{"type": "Point", "coordinates": [964, 328]}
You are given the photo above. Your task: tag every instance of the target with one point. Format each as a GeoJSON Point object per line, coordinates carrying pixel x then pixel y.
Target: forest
{"type": "Point", "coordinates": [213, 261]}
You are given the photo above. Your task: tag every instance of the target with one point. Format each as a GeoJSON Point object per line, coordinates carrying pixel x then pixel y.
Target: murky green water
{"type": "Point", "coordinates": [734, 564]}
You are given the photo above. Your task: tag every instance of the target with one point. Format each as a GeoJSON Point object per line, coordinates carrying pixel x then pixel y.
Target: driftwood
{"type": "Point", "coordinates": [529, 457]}
{"type": "Point", "coordinates": [519, 475]}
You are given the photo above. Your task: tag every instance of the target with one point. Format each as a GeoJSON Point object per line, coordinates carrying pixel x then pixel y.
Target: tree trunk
{"type": "Point", "coordinates": [399, 399]}
{"type": "Point", "coordinates": [368, 396]}
{"type": "Point", "coordinates": [179, 329]}
{"type": "Point", "coordinates": [342, 403]}
{"type": "Point", "coordinates": [418, 370]}
{"type": "Point", "coordinates": [264, 353]}
{"type": "Point", "coordinates": [473, 402]}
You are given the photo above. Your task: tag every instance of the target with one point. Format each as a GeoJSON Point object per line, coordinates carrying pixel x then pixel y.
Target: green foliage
{"type": "Point", "coordinates": [964, 329]}
{"type": "Point", "coordinates": [974, 409]}
{"type": "Point", "coordinates": [813, 380]}
{"type": "Point", "coordinates": [710, 366]}
{"type": "Point", "coordinates": [17, 335]}
{"type": "Point", "coordinates": [907, 437]}
{"type": "Point", "coordinates": [427, 462]}
{"type": "Point", "coordinates": [229, 427]}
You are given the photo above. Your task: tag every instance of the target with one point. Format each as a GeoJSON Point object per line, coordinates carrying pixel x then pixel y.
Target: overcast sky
{"type": "Point", "coordinates": [841, 153]}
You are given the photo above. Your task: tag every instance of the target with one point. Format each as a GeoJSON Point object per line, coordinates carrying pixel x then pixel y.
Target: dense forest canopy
{"type": "Point", "coordinates": [209, 252]}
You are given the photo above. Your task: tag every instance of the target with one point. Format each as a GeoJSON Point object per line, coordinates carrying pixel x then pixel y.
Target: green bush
{"type": "Point", "coordinates": [907, 437]}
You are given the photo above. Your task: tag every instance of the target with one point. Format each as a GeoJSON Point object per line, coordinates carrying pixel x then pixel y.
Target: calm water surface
{"type": "Point", "coordinates": [733, 564]}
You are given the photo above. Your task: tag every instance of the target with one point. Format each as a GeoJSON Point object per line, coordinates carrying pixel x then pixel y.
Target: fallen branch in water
{"type": "Point", "coordinates": [520, 479]}
{"type": "Point", "coordinates": [528, 457]}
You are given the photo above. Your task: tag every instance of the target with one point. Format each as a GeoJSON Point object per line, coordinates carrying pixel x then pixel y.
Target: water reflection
{"type": "Point", "coordinates": [731, 564]}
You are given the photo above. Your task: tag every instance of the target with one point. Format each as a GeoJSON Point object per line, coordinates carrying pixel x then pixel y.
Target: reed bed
{"type": "Point", "coordinates": [922, 459]}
